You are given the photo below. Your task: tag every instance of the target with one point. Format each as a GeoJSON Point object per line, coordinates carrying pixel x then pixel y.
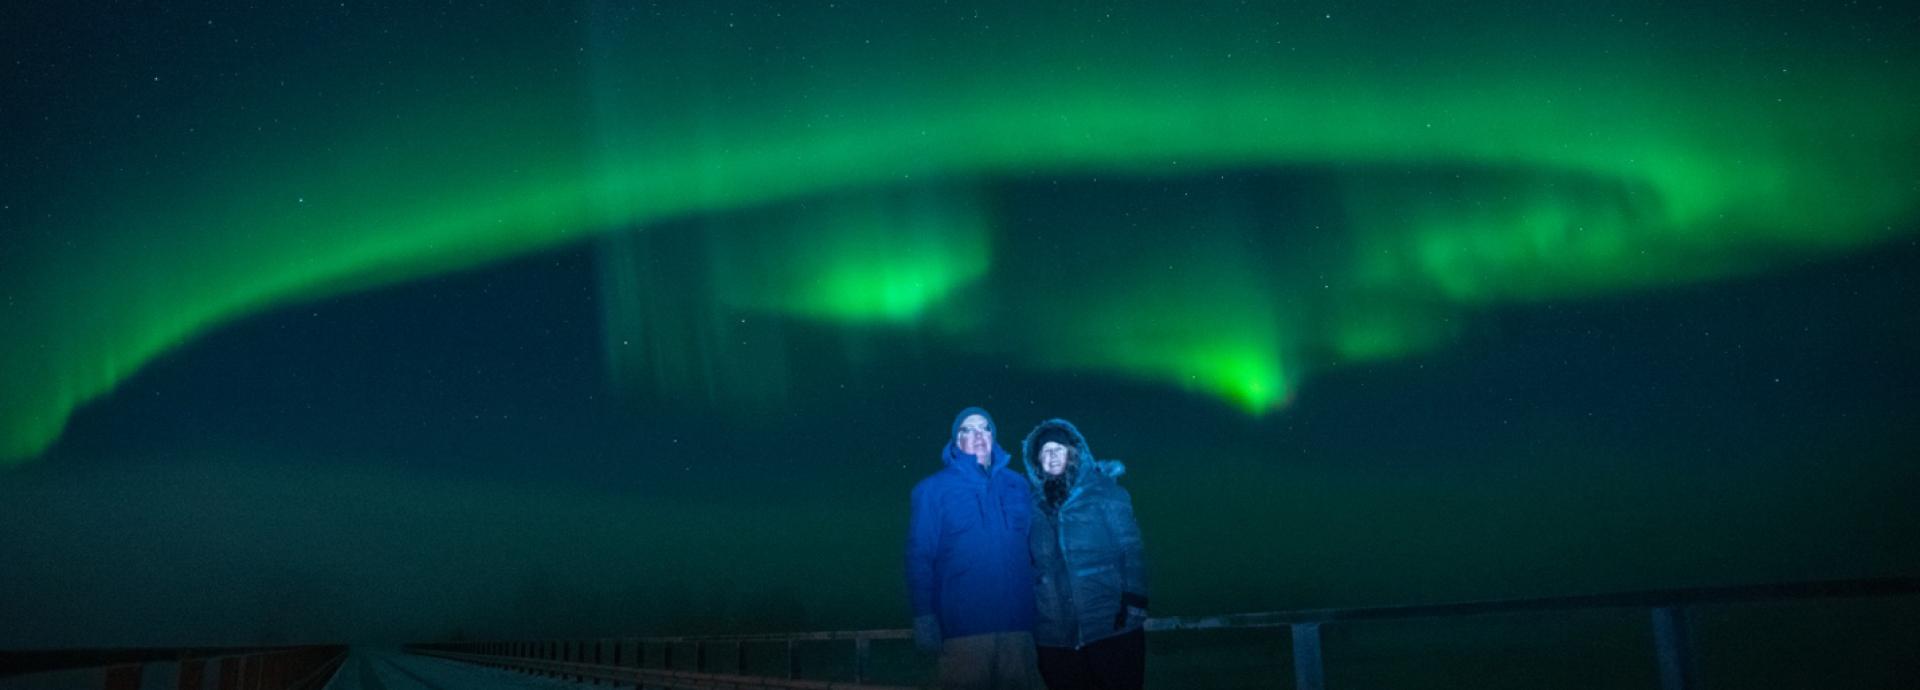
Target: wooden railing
{"type": "Point", "coordinates": [649, 661]}
{"type": "Point", "coordinates": [192, 668]}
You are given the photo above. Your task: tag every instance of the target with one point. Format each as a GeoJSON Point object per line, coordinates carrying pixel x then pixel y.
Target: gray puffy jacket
{"type": "Point", "coordinates": [1087, 561]}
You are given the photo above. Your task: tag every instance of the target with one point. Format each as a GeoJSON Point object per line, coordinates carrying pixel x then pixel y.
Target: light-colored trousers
{"type": "Point", "coordinates": [995, 661]}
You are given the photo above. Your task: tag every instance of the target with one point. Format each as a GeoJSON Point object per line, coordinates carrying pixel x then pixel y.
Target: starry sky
{"type": "Point", "coordinates": [644, 317]}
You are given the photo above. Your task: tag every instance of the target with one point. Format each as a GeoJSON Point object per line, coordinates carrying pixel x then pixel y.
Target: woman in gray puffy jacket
{"type": "Point", "coordinates": [1090, 585]}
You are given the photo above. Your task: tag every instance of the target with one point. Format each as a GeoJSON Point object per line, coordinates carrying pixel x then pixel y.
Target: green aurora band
{"type": "Point", "coordinates": [841, 159]}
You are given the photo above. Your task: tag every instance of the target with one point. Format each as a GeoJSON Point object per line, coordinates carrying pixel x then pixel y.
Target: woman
{"type": "Point", "coordinates": [1090, 586]}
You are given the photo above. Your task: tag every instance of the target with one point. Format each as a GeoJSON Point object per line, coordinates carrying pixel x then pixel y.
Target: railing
{"type": "Point", "coordinates": [1668, 614]}
{"type": "Point", "coordinates": [1672, 647]}
{"type": "Point", "coordinates": [609, 659]}
{"type": "Point", "coordinates": [195, 668]}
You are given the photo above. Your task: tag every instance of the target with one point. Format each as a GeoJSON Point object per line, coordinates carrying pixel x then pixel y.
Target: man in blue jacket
{"type": "Point", "coordinates": [968, 573]}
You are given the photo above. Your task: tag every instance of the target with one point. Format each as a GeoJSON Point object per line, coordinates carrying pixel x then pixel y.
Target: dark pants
{"type": "Point", "coordinates": [1115, 663]}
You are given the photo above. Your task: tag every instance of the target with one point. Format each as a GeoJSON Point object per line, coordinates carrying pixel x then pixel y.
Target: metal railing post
{"type": "Point", "coordinates": [700, 657]}
{"type": "Point", "coordinates": [862, 653]}
{"type": "Point", "coordinates": [1309, 670]}
{"type": "Point", "coordinates": [740, 657]}
{"type": "Point", "coordinates": [793, 662]}
{"type": "Point", "coordinates": [1673, 646]}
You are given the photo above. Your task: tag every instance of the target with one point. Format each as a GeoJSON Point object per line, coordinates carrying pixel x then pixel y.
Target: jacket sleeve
{"type": "Point", "coordinates": [923, 544]}
{"type": "Point", "coordinates": [1133, 564]}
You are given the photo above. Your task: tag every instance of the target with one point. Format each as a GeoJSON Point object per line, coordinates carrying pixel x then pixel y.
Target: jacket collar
{"type": "Point", "coordinates": [968, 464]}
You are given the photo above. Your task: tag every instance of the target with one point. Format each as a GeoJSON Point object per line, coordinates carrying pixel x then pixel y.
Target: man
{"type": "Point", "coordinates": [968, 573]}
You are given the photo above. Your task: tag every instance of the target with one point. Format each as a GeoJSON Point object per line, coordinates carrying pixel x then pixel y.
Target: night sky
{"type": "Point", "coordinates": [385, 323]}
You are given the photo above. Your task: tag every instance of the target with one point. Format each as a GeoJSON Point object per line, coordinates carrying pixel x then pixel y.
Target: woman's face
{"type": "Point", "coordinates": [1053, 458]}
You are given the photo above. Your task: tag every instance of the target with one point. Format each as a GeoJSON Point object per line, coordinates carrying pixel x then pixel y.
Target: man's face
{"type": "Point", "coordinates": [1053, 458]}
{"type": "Point", "coordinates": [975, 437]}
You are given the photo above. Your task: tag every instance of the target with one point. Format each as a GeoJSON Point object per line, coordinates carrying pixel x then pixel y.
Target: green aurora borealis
{"type": "Point", "coordinates": [842, 163]}
{"type": "Point", "coordinates": [393, 322]}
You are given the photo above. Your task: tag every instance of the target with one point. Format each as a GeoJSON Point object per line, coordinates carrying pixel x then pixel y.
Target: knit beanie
{"type": "Point", "coordinates": [964, 414]}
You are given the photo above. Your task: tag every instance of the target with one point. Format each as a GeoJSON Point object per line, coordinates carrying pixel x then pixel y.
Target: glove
{"type": "Point", "coordinates": [926, 633]}
{"type": "Point", "coordinates": [1133, 611]}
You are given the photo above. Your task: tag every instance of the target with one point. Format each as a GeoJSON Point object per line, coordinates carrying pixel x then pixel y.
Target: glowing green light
{"type": "Point", "coordinates": [874, 258]}
{"type": "Point", "coordinates": [1549, 158]}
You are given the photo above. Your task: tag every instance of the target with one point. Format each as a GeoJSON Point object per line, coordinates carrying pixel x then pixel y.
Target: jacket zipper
{"type": "Point", "coordinates": [1060, 535]}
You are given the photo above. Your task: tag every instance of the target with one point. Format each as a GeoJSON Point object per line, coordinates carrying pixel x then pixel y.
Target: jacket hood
{"type": "Point", "coordinates": [971, 411]}
{"type": "Point", "coordinates": [1030, 455]}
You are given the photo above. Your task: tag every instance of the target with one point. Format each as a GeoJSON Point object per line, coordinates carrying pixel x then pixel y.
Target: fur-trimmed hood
{"type": "Point", "coordinates": [1084, 467]}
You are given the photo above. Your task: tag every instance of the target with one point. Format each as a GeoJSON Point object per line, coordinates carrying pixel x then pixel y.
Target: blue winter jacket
{"type": "Point", "coordinates": [967, 547]}
{"type": "Point", "coordinates": [1087, 556]}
